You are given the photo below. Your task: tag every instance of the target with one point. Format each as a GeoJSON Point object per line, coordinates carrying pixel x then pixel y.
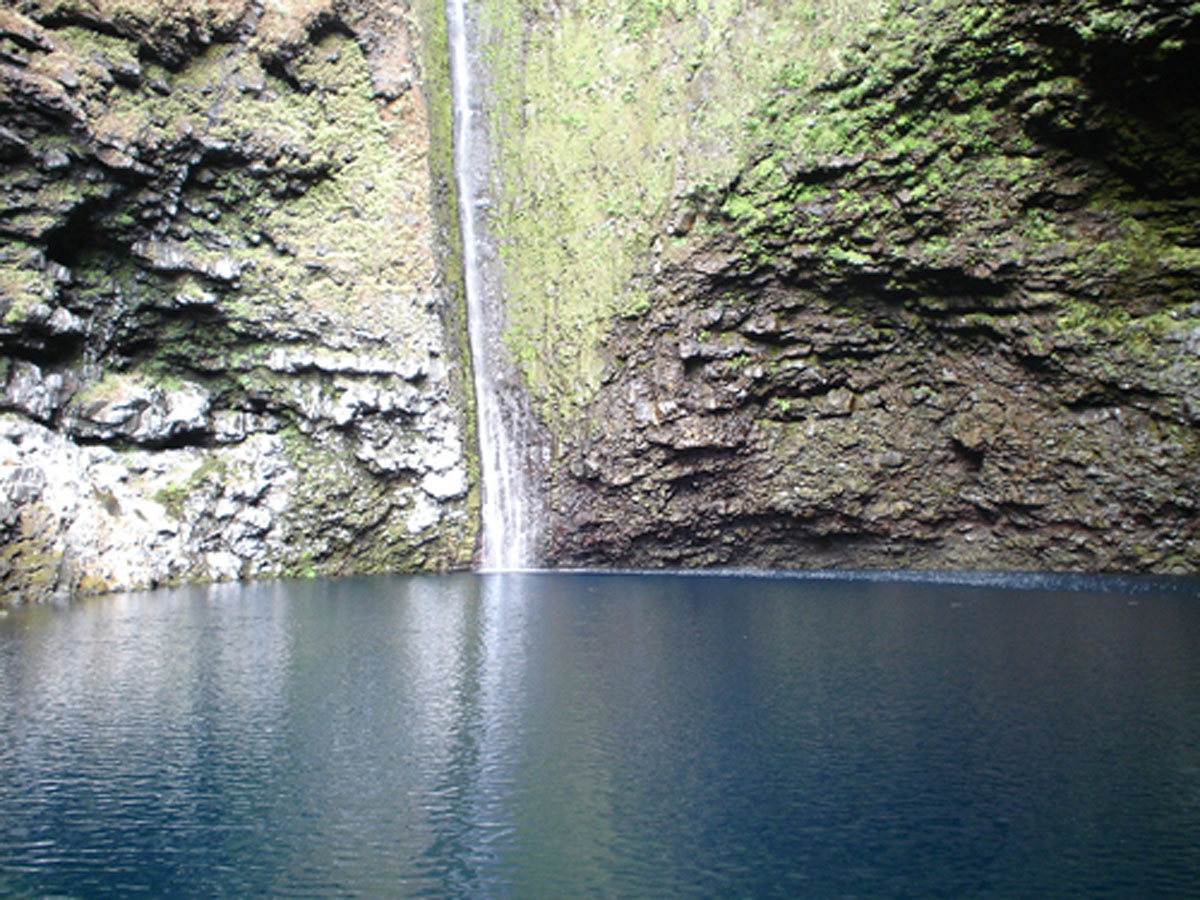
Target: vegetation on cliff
{"type": "Point", "coordinates": [935, 304]}
{"type": "Point", "coordinates": [606, 118]}
{"type": "Point", "coordinates": [870, 283]}
{"type": "Point", "coordinates": [225, 323]}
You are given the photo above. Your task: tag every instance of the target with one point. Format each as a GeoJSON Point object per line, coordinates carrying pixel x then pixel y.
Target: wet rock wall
{"type": "Point", "coordinates": [932, 303]}
{"type": "Point", "coordinates": [228, 345]}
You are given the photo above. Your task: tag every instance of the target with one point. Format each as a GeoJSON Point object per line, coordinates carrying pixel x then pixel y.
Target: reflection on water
{"type": "Point", "coordinates": [628, 736]}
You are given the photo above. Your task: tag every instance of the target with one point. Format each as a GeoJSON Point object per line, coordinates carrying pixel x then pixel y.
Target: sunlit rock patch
{"type": "Point", "coordinates": [229, 345]}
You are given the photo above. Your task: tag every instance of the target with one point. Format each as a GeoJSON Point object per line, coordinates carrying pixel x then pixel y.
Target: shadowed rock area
{"type": "Point", "coordinates": [945, 315]}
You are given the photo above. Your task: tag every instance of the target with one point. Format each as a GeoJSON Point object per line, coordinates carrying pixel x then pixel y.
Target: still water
{"type": "Point", "coordinates": [561, 736]}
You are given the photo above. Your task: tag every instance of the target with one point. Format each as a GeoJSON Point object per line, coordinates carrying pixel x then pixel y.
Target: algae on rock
{"type": "Point", "coordinates": [225, 314]}
{"type": "Point", "coordinates": [605, 118]}
{"type": "Point", "coordinates": [810, 283]}
{"type": "Point", "coordinates": [940, 308]}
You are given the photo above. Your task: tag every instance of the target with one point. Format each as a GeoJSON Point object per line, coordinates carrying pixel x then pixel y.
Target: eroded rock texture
{"type": "Point", "coordinates": [226, 348]}
{"type": "Point", "coordinates": [947, 314]}
{"type": "Point", "coordinates": [821, 283]}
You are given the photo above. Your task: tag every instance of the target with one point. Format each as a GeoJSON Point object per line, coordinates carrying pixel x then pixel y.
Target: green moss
{"type": "Point", "coordinates": [334, 214]}
{"type": "Point", "coordinates": [21, 292]}
{"type": "Point", "coordinates": [29, 559]}
{"type": "Point", "coordinates": [372, 535]}
{"type": "Point", "coordinates": [608, 114]}
{"type": "Point", "coordinates": [109, 48]}
{"type": "Point", "coordinates": [847, 256]}
{"type": "Point", "coordinates": [1092, 325]}
{"type": "Point", "coordinates": [210, 472]}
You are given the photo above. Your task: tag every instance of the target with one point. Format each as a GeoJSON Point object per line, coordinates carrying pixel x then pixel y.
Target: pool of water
{"type": "Point", "coordinates": [625, 736]}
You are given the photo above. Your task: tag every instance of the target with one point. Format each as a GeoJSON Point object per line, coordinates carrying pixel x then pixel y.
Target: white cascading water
{"type": "Point", "coordinates": [510, 513]}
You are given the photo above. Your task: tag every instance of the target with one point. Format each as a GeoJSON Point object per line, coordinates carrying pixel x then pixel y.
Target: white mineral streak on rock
{"type": "Point", "coordinates": [298, 359]}
{"type": "Point", "coordinates": [423, 514]}
{"type": "Point", "coordinates": [35, 393]}
{"type": "Point", "coordinates": [171, 256]}
{"type": "Point", "coordinates": [445, 485]}
{"type": "Point", "coordinates": [109, 523]}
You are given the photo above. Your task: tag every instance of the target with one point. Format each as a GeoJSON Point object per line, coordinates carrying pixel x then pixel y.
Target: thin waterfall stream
{"type": "Point", "coordinates": [508, 458]}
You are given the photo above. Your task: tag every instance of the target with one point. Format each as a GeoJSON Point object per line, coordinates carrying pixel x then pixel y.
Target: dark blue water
{"type": "Point", "coordinates": [528, 736]}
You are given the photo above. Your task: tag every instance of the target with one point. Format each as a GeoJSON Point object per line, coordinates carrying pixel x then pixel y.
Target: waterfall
{"type": "Point", "coordinates": [508, 454]}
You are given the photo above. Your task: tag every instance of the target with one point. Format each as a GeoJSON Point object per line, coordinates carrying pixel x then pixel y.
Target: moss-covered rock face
{"type": "Point", "coordinates": [228, 347]}
{"type": "Point", "coordinates": [608, 118]}
{"type": "Point", "coordinates": [879, 284]}
{"type": "Point", "coordinates": [801, 283]}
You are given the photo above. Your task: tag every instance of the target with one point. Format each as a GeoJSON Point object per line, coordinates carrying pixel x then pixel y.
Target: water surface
{"type": "Point", "coordinates": [621, 736]}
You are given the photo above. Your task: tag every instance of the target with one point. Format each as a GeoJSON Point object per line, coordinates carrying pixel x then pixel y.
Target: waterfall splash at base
{"type": "Point", "coordinates": [508, 450]}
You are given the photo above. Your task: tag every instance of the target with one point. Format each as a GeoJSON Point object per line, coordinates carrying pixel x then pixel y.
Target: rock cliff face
{"type": "Point", "coordinates": [227, 346]}
{"type": "Point", "coordinates": [921, 290]}
{"type": "Point", "coordinates": [803, 283]}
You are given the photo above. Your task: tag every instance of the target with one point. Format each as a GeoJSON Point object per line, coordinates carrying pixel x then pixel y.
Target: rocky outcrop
{"type": "Point", "coordinates": [833, 283]}
{"type": "Point", "coordinates": [945, 314]}
{"type": "Point", "coordinates": [227, 343]}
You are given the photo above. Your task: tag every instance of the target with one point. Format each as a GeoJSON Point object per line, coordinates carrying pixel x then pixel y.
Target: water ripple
{"type": "Point", "coordinates": [540, 735]}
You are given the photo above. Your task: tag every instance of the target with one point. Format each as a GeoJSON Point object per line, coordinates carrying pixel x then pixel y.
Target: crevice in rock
{"type": "Point", "coordinates": [54, 351]}
{"type": "Point", "coordinates": [198, 439]}
{"type": "Point", "coordinates": [65, 16]}
{"type": "Point", "coordinates": [1143, 109]}
{"type": "Point", "coordinates": [68, 242]}
{"type": "Point", "coordinates": [972, 457]}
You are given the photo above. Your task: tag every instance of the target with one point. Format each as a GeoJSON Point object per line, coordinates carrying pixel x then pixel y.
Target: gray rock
{"type": "Point", "coordinates": [133, 410]}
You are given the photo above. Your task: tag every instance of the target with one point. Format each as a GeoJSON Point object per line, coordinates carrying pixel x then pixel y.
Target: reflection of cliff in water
{"type": "Point", "coordinates": [548, 735]}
